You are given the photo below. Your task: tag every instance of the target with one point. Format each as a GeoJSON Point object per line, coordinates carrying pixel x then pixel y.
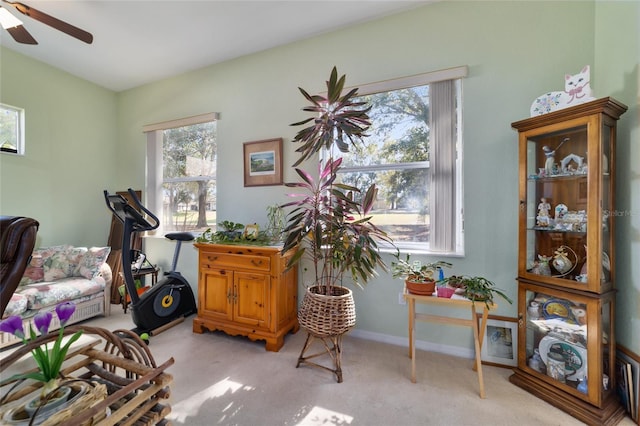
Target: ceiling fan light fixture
{"type": "Point", "coordinates": [7, 20]}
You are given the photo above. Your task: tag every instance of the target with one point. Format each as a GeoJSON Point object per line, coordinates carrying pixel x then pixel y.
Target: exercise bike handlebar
{"type": "Point", "coordinates": [124, 211]}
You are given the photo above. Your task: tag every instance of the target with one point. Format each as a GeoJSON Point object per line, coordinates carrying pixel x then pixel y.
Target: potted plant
{"type": "Point", "coordinates": [235, 233]}
{"type": "Point", "coordinates": [328, 223]}
{"type": "Point", "coordinates": [231, 230]}
{"type": "Point", "coordinates": [419, 278]}
{"type": "Point", "coordinates": [275, 225]}
{"type": "Point", "coordinates": [476, 288]}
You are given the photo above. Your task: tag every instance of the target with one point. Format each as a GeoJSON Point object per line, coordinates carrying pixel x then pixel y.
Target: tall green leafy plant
{"type": "Point", "coordinates": [330, 223]}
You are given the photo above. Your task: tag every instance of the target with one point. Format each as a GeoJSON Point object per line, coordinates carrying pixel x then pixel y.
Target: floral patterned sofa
{"type": "Point", "coordinates": [59, 274]}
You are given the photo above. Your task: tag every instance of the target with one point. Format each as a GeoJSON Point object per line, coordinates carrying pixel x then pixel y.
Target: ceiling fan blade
{"type": "Point", "coordinates": [56, 23]}
{"type": "Point", "coordinates": [21, 35]}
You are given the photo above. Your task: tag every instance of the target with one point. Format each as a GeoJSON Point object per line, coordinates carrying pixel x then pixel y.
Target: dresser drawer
{"type": "Point", "coordinates": [235, 261]}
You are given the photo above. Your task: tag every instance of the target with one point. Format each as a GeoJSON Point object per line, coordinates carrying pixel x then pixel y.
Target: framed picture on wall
{"type": "Point", "coordinates": [500, 344]}
{"type": "Point", "coordinates": [263, 162]}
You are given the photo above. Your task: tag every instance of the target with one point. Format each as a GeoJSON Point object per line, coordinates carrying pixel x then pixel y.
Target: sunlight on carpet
{"type": "Point", "coordinates": [182, 410]}
{"type": "Point", "coordinates": [323, 416]}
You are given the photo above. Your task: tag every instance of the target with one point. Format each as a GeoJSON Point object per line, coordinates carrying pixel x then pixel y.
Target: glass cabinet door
{"type": "Point", "coordinates": [567, 196]}
{"type": "Point", "coordinates": [566, 341]}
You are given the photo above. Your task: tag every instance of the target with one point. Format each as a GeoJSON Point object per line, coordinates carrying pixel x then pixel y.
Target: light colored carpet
{"type": "Point", "coordinates": [225, 380]}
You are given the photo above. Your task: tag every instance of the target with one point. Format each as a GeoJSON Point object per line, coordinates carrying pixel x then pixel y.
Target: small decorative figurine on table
{"type": "Point", "coordinates": [567, 168]}
{"type": "Point", "coordinates": [561, 260]}
{"type": "Point", "coordinates": [541, 266]}
{"type": "Point", "coordinates": [550, 166]}
{"type": "Point", "coordinates": [577, 90]}
{"type": "Point", "coordinates": [543, 213]}
{"type": "Point", "coordinates": [550, 161]}
{"type": "Point", "coordinates": [561, 212]}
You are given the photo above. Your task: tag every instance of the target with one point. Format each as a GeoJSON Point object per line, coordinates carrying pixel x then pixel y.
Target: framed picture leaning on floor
{"type": "Point", "coordinates": [500, 344]}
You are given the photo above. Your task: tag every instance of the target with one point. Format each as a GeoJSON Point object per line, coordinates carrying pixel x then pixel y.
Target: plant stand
{"type": "Point", "coordinates": [472, 322]}
{"type": "Point", "coordinates": [326, 318]}
{"type": "Point", "coordinates": [332, 347]}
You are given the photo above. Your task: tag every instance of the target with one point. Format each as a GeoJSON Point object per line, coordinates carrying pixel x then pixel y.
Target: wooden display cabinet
{"type": "Point", "coordinates": [245, 290]}
{"type": "Point", "coordinates": [566, 260]}
{"type": "Point", "coordinates": [567, 171]}
{"type": "Point", "coordinates": [566, 351]}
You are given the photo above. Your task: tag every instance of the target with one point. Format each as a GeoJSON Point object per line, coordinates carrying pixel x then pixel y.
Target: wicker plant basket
{"type": "Point", "coordinates": [94, 394]}
{"type": "Point", "coordinates": [84, 396]}
{"type": "Point", "coordinates": [327, 315]}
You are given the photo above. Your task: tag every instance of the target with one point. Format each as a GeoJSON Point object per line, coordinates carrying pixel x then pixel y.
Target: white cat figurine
{"type": "Point", "coordinates": [577, 90]}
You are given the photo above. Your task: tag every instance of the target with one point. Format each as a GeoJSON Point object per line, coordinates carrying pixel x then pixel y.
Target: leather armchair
{"type": "Point", "coordinates": [17, 240]}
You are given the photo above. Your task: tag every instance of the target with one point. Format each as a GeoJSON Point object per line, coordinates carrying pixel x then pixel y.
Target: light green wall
{"type": "Point", "coordinates": [515, 51]}
{"type": "Point", "coordinates": [71, 146]}
{"type": "Point", "coordinates": [617, 62]}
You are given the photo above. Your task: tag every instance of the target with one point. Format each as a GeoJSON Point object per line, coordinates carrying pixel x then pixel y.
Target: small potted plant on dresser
{"type": "Point", "coordinates": [419, 278]}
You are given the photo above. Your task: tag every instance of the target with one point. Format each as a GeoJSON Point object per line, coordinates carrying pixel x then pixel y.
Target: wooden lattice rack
{"type": "Point", "coordinates": [137, 388]}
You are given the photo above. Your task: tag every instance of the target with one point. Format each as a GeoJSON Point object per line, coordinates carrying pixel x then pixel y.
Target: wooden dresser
{"type": "Point", "coordinates": [244, 290]}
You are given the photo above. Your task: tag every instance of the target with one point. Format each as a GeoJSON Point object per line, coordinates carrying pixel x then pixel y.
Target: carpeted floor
{"type": "Point", "coordinates": [225, 380]}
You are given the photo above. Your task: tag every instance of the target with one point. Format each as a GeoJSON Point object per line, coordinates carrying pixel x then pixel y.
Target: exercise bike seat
{"type": "Point", "coordinates": [180, 236]}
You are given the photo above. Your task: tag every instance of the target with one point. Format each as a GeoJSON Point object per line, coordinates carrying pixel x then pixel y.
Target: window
{"type": "Point", "coordinates": [181, 173]}
{"type": "Point", "coordinates": [11, 129]}
{"type": "Point", "coordinates": [414, 155]}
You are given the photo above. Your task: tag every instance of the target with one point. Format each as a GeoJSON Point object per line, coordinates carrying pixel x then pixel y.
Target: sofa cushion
{"type": "Point", "coordinates": [91, 262]}
{"type": "Point", "coordinates": [34, 273]}
{"type": "Point", "coordinates": [44, 294]}
{"type": "Point", "coordinates": [55, 262]}
{"type": "Point", "coordinates": [63, 263]}
{"type": "Point", "coordinates": [41, 262]}
{"type": "Point", "coordinates": [17, 305]}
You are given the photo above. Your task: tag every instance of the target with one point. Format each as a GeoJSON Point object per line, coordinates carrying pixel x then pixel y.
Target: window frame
{"type": "Point", "coordinates": [20, 134]}
{"type": "Point", "coordinates": [154, 162]}
{"type": "Point", "coordinates": [456, 74]}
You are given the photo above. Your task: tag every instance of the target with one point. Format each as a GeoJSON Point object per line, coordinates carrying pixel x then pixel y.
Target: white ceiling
{"type": "Point", "coordinates": [137, 42]}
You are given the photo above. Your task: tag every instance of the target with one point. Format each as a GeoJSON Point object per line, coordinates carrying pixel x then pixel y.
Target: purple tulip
{"type": "Point", "coordinates": [42, 320]}
{"type": "Point", "coordinates": [64, 312]}
{"type": "Point", "coordinates": [13, 325]}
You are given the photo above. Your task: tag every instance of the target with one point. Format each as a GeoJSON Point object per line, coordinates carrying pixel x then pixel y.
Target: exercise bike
{"type": "Point", "coordinates": [169, 301]}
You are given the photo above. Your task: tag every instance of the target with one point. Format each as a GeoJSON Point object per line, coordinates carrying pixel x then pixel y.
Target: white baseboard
{"type": "Point", "coordinates": [420, 344]}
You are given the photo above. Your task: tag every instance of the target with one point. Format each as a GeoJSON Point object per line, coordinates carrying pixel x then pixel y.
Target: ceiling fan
{"type": "Point", "coordinates": [20, 34]}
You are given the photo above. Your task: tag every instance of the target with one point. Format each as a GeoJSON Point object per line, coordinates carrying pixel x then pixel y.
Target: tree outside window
{"type": "Point", "coordinates": [397, 156]}
{"type": "Point", "coordinates": [11, 129]}
{"type": "Point", "coordinates": [189, 177]}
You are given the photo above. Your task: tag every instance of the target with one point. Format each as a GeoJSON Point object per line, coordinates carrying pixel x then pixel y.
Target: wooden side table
{"type": "Point", "coordinates": [478, 334]}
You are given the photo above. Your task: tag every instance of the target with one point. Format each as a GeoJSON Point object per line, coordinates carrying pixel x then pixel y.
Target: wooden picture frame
{"type": "Point", "coordinates": [500, 344]}
{"type": "Point", "coordinates": [631, 362]}
{"type": "Point", "coordinates": [251, 231]}
{"type": "Point", "coordinates": [263, 162]}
